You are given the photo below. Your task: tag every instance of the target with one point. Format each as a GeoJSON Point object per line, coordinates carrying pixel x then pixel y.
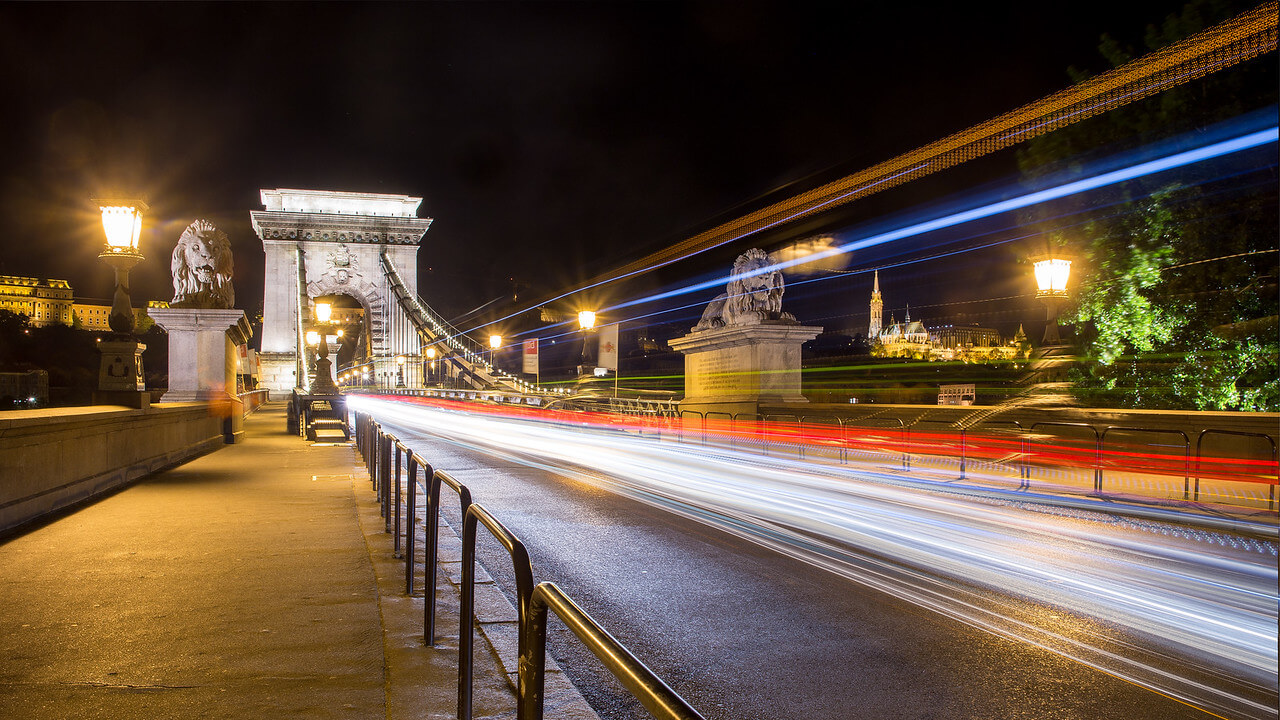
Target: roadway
{"type": "Point", "coordinates": [897, 600]}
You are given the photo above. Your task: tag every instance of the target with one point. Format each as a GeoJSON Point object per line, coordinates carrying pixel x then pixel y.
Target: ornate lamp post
{"type": "Point", "coordinates": [1051, 281]}
{"type": "Point", "coordinates": [586, 321]}
{"type": "Point", "coordinates": [323, 384]}
{"type": "Point", "coordinates": [400, 371]}
{"type": "Point", "coordinates": [120, 378]}
{"type": "Point", "coordinates": [431, 358]}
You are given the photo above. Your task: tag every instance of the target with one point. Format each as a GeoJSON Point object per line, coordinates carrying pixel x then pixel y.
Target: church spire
{"type": "Point", "coordinates": [877, 310]}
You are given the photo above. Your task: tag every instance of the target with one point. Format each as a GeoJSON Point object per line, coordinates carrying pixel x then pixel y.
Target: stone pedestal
{"type": "Point", "coordinates": [203, 351]}
{"type": "Point", "coordinates": [120, 378]}
{"type": "Point", "coordinates": [733, 369]}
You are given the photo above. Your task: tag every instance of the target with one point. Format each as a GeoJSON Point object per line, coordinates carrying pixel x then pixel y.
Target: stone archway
{"type": "Point", "coordinates": [335, 243]}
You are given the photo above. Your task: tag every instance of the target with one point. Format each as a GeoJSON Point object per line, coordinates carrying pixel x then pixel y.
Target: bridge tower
{"type": "Point", "coordinates": [320, 243]}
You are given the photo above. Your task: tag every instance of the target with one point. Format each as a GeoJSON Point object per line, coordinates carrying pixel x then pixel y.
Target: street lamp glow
{"type": "Point", "coordinates": [586, 319]}
{"type": "Point", "coordinates": [431, 353]}
{"type": "Point", "coordinates": [495, 341]}
{"type": "Point", "coordinates": [122, 223]}
{"type": "Point", "coordinates": [1052, 275]}
{"type": "Point", "coordinates": [400, 360]}
{"type": "Point", "coordinates": [122, 226]}
{"type": "Point", "coordinates": [1051, 288]}
{"type": "Point", "coordinates": [313, 337]}
{"type": "Point", "coordinates": [324, 311]}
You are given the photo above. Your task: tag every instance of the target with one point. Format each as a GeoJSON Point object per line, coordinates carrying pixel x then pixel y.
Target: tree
{"type": "Point", "coordinates": [1177, 298]}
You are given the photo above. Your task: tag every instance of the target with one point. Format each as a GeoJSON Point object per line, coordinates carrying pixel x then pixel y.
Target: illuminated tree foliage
{"type": "Point", "coordinates": [1175, 287]}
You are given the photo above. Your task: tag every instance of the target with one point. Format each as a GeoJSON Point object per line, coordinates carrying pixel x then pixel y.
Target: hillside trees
{"type": "Point", "coordinates": [1175, 283]}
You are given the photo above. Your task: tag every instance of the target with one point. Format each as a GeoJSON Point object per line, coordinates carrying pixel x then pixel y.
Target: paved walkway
{"type": "Point", "coordinates": [253, 582]}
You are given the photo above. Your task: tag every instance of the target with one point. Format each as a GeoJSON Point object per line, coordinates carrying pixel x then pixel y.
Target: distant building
{"type": "Point", "coordinates": [44, 301]}
{"type": "Point", "coordinates": [50, 302]}
{"type": "Point", "coordinates": [958, 336]}
{"type": "Point", "coordinates": [24, 389]}
{"type": "Point", "coordinates": [95, 315]}
{"type": "Point", "coordinates": [910, 338]}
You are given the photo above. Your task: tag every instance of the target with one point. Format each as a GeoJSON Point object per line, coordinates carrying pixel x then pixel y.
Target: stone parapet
{"type": "Point", "coordinates": [53, 458]}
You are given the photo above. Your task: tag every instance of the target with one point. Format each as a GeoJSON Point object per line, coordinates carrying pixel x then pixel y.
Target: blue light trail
{"type": "Point", "coordinates": [1132, 172]}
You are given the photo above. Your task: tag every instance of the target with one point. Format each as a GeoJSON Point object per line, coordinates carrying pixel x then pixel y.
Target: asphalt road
{"type": "Point", "coordinates": [742, 631]}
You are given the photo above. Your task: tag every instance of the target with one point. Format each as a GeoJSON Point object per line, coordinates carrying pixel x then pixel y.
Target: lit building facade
{"type": "Point", "coordinates": [910, 338]}
{"type": "Point", "coordinates": [44, 301]}
{"type": "Point", "coordinates": [95, 315]}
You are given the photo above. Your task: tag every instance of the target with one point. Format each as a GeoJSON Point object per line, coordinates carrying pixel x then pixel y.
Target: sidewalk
{"type": "Point", "coordinates": [253, 582]}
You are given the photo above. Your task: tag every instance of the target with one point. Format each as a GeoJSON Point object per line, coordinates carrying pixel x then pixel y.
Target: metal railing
{"type": "Point", "coordinates": [1097, 446]}
{"type": "Point", "coordinates": [952, 426]}
{"type": "Point", "coordinates": [1186, 453]}
{"type": "Point", "coordinates": [431, 550]}
{"type": "Point", "coordinates": [1271, 497]}
{"type": "Point", "coordinates": [384, 464]}
{"type": "Point", "coordinates": [1014, 446]}
{"type": "Point", "coordinates": [659, 699]}
{"type": "Point", "coordinates": [477, 515]}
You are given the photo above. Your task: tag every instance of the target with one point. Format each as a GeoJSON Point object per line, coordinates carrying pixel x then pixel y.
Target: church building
{"type": "Point", "coordinates": [910, 338]}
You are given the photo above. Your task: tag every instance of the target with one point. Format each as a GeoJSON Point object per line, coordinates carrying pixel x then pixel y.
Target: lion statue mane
{"type": "Point", "coordinates": [750, 297]}
{"type": "Point", "coordinates": [202, 268]}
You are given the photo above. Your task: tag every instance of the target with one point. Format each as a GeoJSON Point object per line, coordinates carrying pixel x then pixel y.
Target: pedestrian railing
{"type": "Point", "coordinates": [993, 444]}
{"type": "Point", "coordinates": [941, 440]}
{"type": "Point", "coordinates": [1140, 462]}
{"type": "Point", "coordinates": [477, 515]}
{"type": "Point", "coordinates": [431, 550]}
{"type": "Point", "coordinates": [1270, 476]}
{"type": "Point", "coordinates": [661, 701]}
{"type": "Point", "coordinates": [382, 453]}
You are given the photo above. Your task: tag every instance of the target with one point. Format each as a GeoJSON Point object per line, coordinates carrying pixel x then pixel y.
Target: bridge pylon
{"type": "Point", "coordinates": [320, 243]}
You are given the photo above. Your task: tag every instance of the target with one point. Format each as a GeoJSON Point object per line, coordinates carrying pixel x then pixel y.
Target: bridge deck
{"type": "Point", "coordinates": [252, 582]}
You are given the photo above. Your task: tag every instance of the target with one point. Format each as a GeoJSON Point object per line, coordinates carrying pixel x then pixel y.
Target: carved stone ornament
{"type": "Point", "coordinates": [750, 297]}
{"type": "Point", "coordinates": [202, 268]}
{"type": "Point", "coordinates": [341, 265]}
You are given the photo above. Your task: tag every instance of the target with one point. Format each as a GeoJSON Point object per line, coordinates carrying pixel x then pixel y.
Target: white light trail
{"type": "Point", "coordinates": [1200, 603]}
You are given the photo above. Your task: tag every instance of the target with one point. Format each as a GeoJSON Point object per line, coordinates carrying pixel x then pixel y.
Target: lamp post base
{"type": "Point", "coordinates": [121, 367]}
{"type": "Point", "coordinates": [120, 379]}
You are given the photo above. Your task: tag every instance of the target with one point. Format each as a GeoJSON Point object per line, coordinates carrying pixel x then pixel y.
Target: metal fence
{"type": "Point", "coordinates": [382, 454]}
{"type": "Point", "coordinates": [993, 444]}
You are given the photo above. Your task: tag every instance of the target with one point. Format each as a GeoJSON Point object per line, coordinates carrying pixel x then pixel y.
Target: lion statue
{"type": "Point", "coordinates": [202, 268]}
{"type": "Point", "coordinates": [750, 297]}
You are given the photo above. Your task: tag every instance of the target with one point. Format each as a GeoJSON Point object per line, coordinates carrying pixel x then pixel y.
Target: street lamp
{"type": "Point", "coordinates": [1051, 282]}
{"type": "Point", "coordinates": [120, 376]}
{"type": "Point", "coordinates": [495, 342]}
{"type": "Point", "coordinates": [323, 384]}
{"type": "Point", "coordinates": [431, 358]}
{"type": "Point", "coordinates": [586, 321]}
{"type": "Point", "coordinates": [122, 223]}
{"type": "Point", "coordinates": [400, 371]}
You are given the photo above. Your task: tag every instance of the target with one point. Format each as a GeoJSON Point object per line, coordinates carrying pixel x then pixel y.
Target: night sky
{"type": "Point", "coordinates": [550, 141]}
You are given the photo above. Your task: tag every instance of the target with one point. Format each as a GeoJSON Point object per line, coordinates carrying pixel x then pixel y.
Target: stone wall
{"type": "Point", "coordinates": [50, 459]}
